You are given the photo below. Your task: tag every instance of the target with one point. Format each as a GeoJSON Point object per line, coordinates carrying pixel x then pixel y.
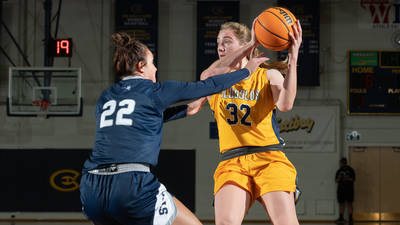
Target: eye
{"type": "Point", "coordinates": [227, 42]}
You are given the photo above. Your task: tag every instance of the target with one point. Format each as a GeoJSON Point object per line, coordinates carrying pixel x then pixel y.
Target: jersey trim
{"type": "Point", "coordinates": [275, 127]}
{"type": "Point", "coordinates": [249, 150]}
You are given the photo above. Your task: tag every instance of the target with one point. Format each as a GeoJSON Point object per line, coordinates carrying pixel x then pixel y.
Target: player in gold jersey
{"type": "Point", "coordinates": [253, 165]}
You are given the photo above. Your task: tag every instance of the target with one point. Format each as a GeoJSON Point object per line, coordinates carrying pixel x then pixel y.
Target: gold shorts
{"type": "Point", "coordinates": [257, 173]}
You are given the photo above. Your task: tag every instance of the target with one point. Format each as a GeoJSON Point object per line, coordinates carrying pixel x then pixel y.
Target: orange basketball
{"type": "Point", "coordinates": [272, 28]}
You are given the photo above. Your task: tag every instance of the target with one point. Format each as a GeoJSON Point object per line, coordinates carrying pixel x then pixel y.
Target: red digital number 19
{"type": "Point", "coordinates": [63, 44]}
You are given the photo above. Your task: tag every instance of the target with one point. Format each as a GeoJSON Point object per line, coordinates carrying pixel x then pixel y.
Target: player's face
{"type": "Point", "coordinates": [149, 70]}
{"type": "Point", "coordinates": [227, 42]}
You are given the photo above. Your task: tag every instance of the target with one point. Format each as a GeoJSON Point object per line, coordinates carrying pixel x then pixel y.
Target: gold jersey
{"type": "Point", "coordinates": [245, 113]}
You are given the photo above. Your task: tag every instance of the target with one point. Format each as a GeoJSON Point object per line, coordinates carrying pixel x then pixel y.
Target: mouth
{"type": "Point", "coordinates": [221, 56]}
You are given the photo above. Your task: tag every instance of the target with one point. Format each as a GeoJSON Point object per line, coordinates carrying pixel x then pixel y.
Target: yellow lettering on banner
{"type": "Point", "coordinates": [362, 69]}
{"type": "Point", "coordinates": [295, 123]}
{"type": "Point", "coordinates": [393, 91]}
{"type": "Point", "coordinates": [65, 180]}
{"type": "Point", "coordinates": [397, 71]}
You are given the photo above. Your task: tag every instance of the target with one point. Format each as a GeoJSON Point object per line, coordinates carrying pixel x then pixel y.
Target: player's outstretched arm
{"type": "Point", "coordinates": [181, 111]}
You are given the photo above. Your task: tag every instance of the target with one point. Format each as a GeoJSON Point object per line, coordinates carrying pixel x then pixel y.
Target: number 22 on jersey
{"type": "Point", "coordinates": [125, 107]}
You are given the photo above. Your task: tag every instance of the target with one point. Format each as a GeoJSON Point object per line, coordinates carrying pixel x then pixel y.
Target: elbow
{"type": "Point", "coordinates": [286, 102]}
{"type": "Point", "coordinates": [285, 107]}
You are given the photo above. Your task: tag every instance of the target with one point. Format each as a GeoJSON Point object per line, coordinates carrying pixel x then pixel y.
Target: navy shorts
{"type": "Point", "coordinates": [129, 198]}
{"type": "Point", "coordinates": [345, 195]}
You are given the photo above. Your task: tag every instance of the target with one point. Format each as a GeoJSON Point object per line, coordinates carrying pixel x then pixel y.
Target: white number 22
{"type": "Point", "coordinates": [126, 106]}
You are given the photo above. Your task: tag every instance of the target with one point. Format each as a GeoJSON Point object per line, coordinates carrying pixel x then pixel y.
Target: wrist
{"type": "Point", "coordinates": [292, 61]}
{"type": "Point", "coordinates": [292, 58]}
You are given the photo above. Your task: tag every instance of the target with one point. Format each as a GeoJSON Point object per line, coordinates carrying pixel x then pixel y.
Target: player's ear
{"type": "Point", "coordinates": [139, 66]}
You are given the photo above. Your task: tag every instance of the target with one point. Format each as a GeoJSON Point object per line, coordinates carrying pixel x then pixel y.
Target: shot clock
{"type": "Point", "coordinates": [373, 83]}
{"type": "Point", "coordinates": [60, 47]}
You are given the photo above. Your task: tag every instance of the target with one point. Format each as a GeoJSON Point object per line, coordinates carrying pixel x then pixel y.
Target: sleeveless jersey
{"type": "Point", "coordinates": [245, 114]}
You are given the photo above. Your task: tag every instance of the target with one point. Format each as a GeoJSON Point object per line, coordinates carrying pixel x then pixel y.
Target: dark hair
{"type": "Point", "coordinates": [343, 160]}
{"type": "Point", "coordinates": [128, 53]}
{"type": "Point", "coordinates": [243, 34]}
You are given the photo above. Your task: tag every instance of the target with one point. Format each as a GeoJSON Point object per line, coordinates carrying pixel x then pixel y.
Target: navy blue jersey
{"type": "Point", "coordinates": [130, 116]}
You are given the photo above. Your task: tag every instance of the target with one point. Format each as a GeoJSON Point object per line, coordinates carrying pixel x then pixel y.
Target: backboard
{"type": "Point", "coordinates": [44, 91]}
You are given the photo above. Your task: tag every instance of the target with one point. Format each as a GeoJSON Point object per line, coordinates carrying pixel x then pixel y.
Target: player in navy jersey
{"type": "Point", "coordinates": [117, 186]}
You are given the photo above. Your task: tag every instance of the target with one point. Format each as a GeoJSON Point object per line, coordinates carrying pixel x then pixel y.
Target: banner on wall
{"type": "Point", "coordinates": [210, 16]}
{"type": "Point", "coordinates": [139, 18]}
{"type": "Point", "coordinates": [310, 128]}
{"type": "Point", "coordinates": [308, 12]}
{"type": "Point", "coordinates": [47, 180]}
{"type": "Point", "coordinates": [383, 14]}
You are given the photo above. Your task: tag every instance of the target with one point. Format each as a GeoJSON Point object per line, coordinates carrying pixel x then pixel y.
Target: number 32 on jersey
{"type": "Point", "coordinates": [233, 108]}
{"type": "Point", "coordinates": [125, 107]}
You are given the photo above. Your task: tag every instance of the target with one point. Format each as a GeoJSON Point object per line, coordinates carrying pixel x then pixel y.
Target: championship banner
{"type": "Point", "coordinates": [310, 128]}
{"type": "Point", "coordinates": [307, 11]}
{"type": "Point", "coordinates": [139, 18]}
{"type": "Point", "coordinates": [210, 16]}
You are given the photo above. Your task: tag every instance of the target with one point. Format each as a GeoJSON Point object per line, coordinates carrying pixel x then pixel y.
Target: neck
{"type": "Point", "coordinates": [241, 64]}
{"type": "Point", "coordinates": [131, 76]}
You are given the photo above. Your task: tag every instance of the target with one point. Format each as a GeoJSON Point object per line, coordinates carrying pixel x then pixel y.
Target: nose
{"type": "Point", "coordinates": [221, 48]}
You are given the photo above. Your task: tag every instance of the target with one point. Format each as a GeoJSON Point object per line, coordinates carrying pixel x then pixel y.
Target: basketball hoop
{"type": "Point", "coordinates": [42, 104]}
{"type": "Point", "coordinates": [27, 96]}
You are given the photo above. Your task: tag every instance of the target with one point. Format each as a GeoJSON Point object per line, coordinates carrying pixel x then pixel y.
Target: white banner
{"type": "Point", "coordinates": [310, 128]}
{"type": "Point", "coordinates": [379, 14]}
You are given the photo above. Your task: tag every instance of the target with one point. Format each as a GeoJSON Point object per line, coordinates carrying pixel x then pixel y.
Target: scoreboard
{"type": "Point", "coordinates": [373, 83]}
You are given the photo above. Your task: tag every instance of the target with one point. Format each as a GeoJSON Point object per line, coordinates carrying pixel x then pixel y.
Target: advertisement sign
{"type": "Point", "coordinates": [310, 128]}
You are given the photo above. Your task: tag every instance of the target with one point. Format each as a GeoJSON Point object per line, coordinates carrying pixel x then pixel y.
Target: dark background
{"type": "Point", "coordinates": [25, 176]}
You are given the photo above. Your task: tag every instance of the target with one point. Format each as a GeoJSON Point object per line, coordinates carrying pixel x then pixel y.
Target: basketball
{"type": "Point", "coordinates": [272, 28]}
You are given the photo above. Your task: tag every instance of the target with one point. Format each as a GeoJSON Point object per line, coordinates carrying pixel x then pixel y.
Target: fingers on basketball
{"type": "Point", "coordinates": [272, 28]}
